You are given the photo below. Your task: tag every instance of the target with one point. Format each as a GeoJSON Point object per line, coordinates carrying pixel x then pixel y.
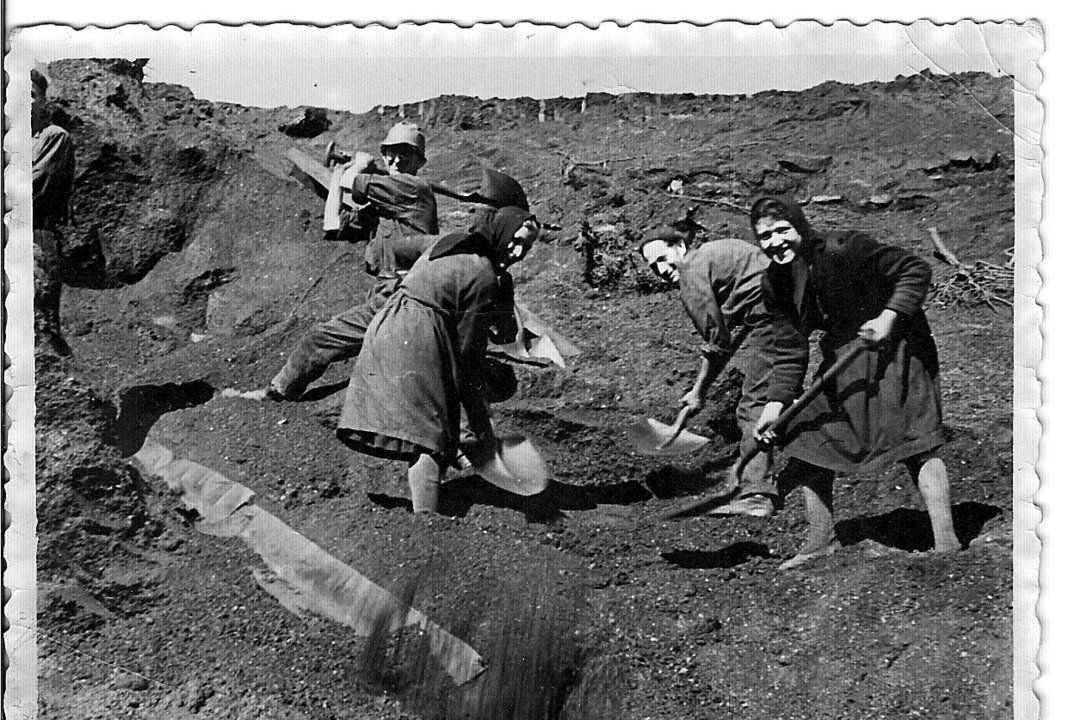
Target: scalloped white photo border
{"type": "Point", "coordinates": [44, 43]}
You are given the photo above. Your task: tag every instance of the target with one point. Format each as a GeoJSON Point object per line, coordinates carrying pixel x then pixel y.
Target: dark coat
{"type": "Point", "coordinates": [403, 218]}
{"type": "Point", "coordinates": [422, 360]}
{"type": "Point", "coordinates": [424, 352]}
{"type": "Point", "coordinates": [53, 176]}
{"type": "Point", "coordinates": [886, 405]}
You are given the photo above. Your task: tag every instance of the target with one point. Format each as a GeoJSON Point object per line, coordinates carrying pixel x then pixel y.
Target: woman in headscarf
{"type": "Point", "coordinates": [423, 355]}
{"type": "Point", "coordinates": [884, 406]}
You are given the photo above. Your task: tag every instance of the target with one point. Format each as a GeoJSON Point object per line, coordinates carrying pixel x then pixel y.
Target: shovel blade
{"type": "Point", "coordinates": [544, 347]}
{"type": "Point", "coordinates": [517, 467]}
{"type": "Point", "coordinates": [647, 436]}
{"type": "Point", "coordinates": [537, 326]}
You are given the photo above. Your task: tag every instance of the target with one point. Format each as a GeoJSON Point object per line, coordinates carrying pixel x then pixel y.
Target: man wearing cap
{"type": "Point", "coordinates": [719, 284]}
{"type": "Point", "coordinates": [53, 178]}
{"type": "Point", "coordinates": [400, 211]}
{"type": "Point", "coordinates": [397, 214]}
{"type": "Point", "coordinates": [396, 211]}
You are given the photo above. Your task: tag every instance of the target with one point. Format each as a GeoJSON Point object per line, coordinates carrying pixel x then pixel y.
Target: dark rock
{"type": "Point", "coordinates": [805, 163]}
{"type": "Point", "coordinates": [314, 122]}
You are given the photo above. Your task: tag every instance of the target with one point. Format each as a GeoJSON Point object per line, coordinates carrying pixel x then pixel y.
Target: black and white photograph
{"type": "Point", "coordinates": [428, 370]}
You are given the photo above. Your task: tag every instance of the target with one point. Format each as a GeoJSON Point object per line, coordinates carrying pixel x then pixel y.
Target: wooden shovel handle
{"type": "Point", "coordinates": [806, 397]}
{"type": "Point", "coordinates": [684, 414]}
{"type": "Point", "coordinates": [678, 426]}
{"type": "Point", "coordinates": [440, 189]}
{"type": "Point", "coordinates": [734, 480]}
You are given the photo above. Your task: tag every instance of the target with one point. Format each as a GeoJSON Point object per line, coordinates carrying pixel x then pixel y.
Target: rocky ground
{"type": "Point", "coordinates": [194, 263]}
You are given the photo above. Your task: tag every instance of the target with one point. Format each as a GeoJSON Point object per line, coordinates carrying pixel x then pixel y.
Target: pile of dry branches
{"type": "Point", "coordinates": [981, 283]}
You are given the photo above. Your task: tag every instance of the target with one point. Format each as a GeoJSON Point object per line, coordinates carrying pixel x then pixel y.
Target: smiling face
{"type": "Point", "coordinates": [521, 242]}
{"type": "Point", "coordinates": [664, 258]}
{"type": "Point", "coordinates": [779, 239]}
{"type": "Point", "coordinates": [402, 159]}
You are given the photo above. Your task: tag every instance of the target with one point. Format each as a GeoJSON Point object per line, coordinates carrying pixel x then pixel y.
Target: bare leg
{"type": "Point", "coordinates": [818, 488]}
{"type": "Point", "coordinates": [931, 477]}
{"type": "Point", "coordinates": [424, 480]}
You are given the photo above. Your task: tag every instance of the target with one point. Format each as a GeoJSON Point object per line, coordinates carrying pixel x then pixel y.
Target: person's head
{"type": "Point", "coordinates": [38, 103]}
{"type": "Point", "coordinates": [404, 148]}
{"type": "Point", "coordinates": [522, 240]}
{"type": "Point", "coordinates": [664, 251]}
{"type": "Point", "coordinates": [780, 228]}
{"type": "Point", "coordinates": [512, 231]}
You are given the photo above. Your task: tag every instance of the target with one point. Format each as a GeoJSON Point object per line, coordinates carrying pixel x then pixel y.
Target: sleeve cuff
{"type": "Point", "coordinates": [904, 304]}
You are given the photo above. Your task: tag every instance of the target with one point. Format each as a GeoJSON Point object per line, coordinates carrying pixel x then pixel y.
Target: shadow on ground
{"type": "Point", "coordinates": [669, 481]}
{"type": "Point", "coordinates": [141, 406]}
{"type": "Point", "coordinates": [726, 557]}
{"type": "Point", "coordinates": [909, 529]}
{"type": "Point", "coordinates": [460, 495]}
{"type": "Point", "coordinates": [321, 392]}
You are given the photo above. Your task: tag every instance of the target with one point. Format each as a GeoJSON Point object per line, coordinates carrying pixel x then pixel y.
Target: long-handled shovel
{"type": "Point", "coordinates": [320, 174]}
{"type": "Point", "coordinates": [652, 437]}
{"type": "Point", "coordinates": [733, 480]}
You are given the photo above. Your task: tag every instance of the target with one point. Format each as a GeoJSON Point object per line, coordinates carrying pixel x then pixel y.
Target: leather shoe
{"type": "Point", "coordinates": [751, 505]}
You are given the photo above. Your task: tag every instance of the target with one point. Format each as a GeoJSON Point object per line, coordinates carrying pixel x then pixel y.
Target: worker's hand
{"type": "Point", "coordinates": [876, 331]}
{"type": "Point", "coordinates": [693, 400]}
{"type": "Point", "coordinates": [480, 449]}
{"type": "Point", "coordinates": [768, 416]}
{"type": "Point", "coordinates": [361, 162]}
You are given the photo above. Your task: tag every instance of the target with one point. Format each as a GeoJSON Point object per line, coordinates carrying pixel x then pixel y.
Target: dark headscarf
{"type": "Point", "coordinates": [786, 208]}
{"type": "Point", "coordinates": [488, 235]}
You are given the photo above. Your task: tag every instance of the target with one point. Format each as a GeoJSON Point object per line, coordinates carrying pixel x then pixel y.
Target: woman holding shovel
{"type": "Point", "coordinates": [423, 354]}
{"type": "Point", "coordinates": [884, 405]}
{"type": "Point", "coordinates": [719, 284]}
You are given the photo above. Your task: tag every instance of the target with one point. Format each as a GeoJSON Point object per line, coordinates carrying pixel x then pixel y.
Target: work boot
{"type": "Point", "coordinates": [760, 506]}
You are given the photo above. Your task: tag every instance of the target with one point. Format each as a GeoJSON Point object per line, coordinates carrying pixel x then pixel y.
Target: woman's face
{"type": "Point", "coordinates": [521, 242]}
{"type": "Point", "coordinates": [779, 240]}
{"type": "Point", "coordinates": [664, 259]}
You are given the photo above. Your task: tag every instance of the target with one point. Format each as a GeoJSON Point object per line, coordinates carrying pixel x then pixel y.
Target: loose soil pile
{"type": "Point", "coordinates": [195, 261]}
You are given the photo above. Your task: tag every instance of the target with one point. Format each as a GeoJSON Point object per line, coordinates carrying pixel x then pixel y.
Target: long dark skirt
{"type": "Point", "coordinates": [884, 407]}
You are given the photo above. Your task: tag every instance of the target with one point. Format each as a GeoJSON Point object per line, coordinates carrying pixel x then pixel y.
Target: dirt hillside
{"type": "Point", "coordinates": [195, 261]}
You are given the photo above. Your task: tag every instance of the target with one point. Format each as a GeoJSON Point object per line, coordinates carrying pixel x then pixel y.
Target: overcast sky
{"type": "Point", "coordinates": [350, 68]}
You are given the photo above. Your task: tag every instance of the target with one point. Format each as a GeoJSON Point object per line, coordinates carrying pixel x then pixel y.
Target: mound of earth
{"type": "Point", "coordinates": [195, 261]}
